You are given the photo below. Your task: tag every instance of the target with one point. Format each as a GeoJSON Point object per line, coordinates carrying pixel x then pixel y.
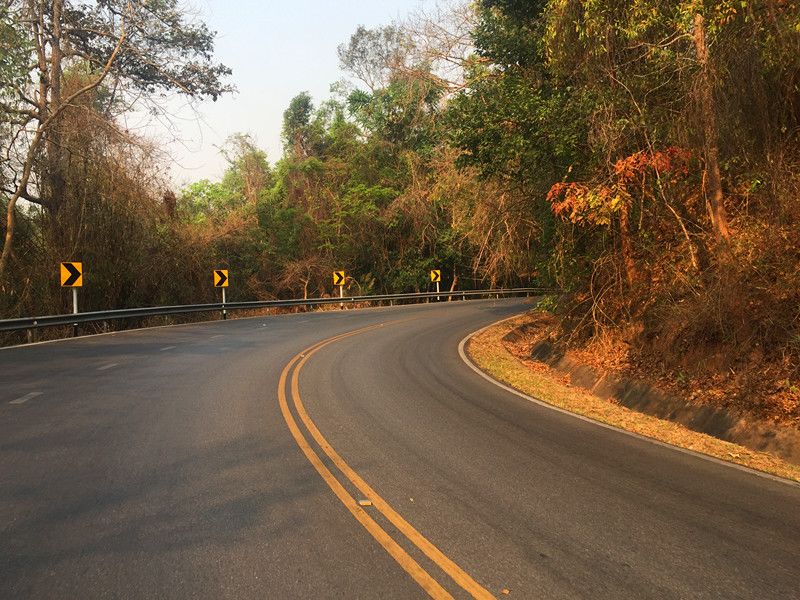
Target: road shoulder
{"type": "Point", "coordinates": [485, 353]}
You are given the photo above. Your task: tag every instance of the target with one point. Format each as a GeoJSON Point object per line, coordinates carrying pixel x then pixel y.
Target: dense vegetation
{"type": "Point", "coordinates": [643, 155]}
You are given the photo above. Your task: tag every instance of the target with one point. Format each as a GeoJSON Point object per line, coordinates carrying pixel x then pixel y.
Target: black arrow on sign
{"type": "Point", "coordinates": [339, 279]}
{"type": "Point", "coordinates": [74, 274]}
{"type": "Point", "coordinates": [222, 278]}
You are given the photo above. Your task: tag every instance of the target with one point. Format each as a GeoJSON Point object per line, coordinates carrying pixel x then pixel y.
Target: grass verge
{"type": "Point", "coordinates": [488, 352]}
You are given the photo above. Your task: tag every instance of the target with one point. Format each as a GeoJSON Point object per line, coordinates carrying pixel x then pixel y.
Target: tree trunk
{"type": "Point", "coordinates": [57, 154]}
{"type": "Point", "coordinates": [12, 203]}
{"type": "Point", "coordinates": [631, 271]}
{"type": "Point", "coordinates": [716, 208]}
{"type": "Point", "coordinates": [453, 286]}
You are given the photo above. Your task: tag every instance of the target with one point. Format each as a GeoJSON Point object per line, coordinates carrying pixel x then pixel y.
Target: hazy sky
{"type": "Point", "coordinates": [276, 50]}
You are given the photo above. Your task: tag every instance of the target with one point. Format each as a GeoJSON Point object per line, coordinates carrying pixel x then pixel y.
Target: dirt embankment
{"type": "Point", "coordinates": [632, 389]}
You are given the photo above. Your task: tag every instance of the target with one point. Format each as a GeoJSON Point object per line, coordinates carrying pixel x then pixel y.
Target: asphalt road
{"type": "Point", "coordinates": [169, 463]}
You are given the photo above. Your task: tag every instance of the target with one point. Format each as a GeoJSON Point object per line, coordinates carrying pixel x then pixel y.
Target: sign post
{"type": "Point", "coordinates": [72, 277]}
{"type": "Point", "coordinates": [436, 277]}
{"type": "Point", "coordinates": [74, 310]}
{"type": "Point", "coordinates": [221, 281]}
{"type": "Point", "coordinates": [339, 279]}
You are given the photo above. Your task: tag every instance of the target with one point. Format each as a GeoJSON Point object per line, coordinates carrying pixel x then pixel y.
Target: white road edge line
{"type": "Point", "coordinates": [108, 366]}
{"type": "Point", "coordinates": [165, 348]}
{"type": "Point", "coordinates": [26, 397]}
{"type": "Point", "coordinates": [463, 354]}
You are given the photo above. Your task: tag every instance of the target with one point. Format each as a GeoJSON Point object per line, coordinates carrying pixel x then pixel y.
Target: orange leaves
{"type": "Point", "coordinates": [596, 204]}
{"type": "Point", "coordinates": [581, 204]}
{"type": "Point", "coordinates": [673, 161]}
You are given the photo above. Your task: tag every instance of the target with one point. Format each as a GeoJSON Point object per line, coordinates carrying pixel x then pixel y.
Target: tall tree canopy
{"type": "Point", "coordinates": [120, 50]}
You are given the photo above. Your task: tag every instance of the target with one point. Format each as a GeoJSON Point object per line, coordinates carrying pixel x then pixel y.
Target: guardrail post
{"type": "Point", "coordinates": [74, 310]}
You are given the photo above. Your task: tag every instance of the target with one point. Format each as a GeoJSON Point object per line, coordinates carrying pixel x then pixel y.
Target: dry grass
{"type": "Point", "coordinates": [489, 353]}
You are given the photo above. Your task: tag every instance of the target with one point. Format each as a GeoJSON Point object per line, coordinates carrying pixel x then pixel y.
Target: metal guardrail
{"type": "Point", "coordinates": [22, 324]}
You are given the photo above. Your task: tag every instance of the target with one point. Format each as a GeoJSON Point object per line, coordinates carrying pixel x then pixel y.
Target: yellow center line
{"type": "Point", "coordinates": [412, 567]}
{"type": "Point", "coordinates": [458, 575]}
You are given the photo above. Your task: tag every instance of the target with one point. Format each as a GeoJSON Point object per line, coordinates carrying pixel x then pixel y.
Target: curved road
{"type": "Point", "coordinates": [228, 460]}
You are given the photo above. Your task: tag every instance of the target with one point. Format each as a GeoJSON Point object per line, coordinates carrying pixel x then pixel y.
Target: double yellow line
{"type": "Point", "coordinates": [291, 373]}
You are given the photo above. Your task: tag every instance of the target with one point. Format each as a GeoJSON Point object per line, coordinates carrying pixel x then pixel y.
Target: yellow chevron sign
{"type": "Point", "coordinates": [338, 278]}
{"type": "Point", "coordinates": [71, 274]}
{"type": "Point", "coordinates": [436, 276]}
{"type": "Point", "coordinates": [221, 278]}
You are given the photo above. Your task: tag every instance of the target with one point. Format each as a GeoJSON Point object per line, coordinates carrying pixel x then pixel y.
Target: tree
{"type": "Point", "coordinates": [716, 208]}
{"type": "Point", "coordinates": [296, 121]}
{"type": "Point", "coordinates": [129, 48]}
{"type": "Point", "coordinates": [372, 55]}
{"type": "Point", "coordinates": [248, 171]}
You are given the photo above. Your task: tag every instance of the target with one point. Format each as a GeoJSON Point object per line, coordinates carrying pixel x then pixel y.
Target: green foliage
{"type": "Point", "coordinates": [508, 32]}
{"type": "Point", "coordinates": [296, 121]}
{"type": "Point", "coordinates": [165, 49]}
{"type": "Point", "coordinates": [548, 303]}
{"type": "Point", "coordinates": [204, 200]}
{"type": "Point", "coordinates": [509, 128]}
{"type": "Point", "coordinates": [15, 49]}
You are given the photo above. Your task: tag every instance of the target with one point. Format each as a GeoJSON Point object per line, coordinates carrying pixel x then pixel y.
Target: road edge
{"type": "Point", "coordinates": [462, 352]}
{"type": "Point", "coordinates": [90, 336]}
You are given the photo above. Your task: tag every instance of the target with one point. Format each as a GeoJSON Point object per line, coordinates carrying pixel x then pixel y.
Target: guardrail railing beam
{"type": "Point", "coordinates": [34, 323]}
